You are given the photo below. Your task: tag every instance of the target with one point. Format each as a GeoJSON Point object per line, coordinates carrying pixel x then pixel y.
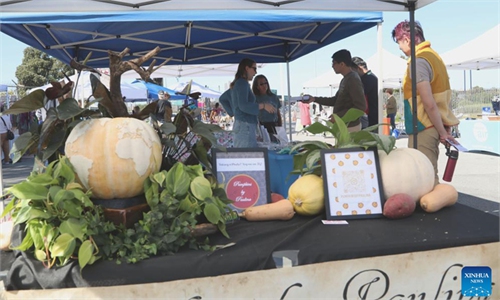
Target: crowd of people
{"type": "Point", "coordinates": [358, 89]}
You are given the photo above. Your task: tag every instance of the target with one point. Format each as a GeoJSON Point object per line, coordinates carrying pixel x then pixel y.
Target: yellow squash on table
{"type": "Point", "coordinates": [307, 195]}
{"type": "Point", "coordinates": [113, 157]}
{"type": "Point", "coordinates": [441, 196]}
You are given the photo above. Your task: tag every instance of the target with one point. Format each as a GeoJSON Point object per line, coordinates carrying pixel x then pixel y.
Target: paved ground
{"type": "Point", "coordinates": [476, 174]}
{"type": "Point", "coordinates": [15, 173]}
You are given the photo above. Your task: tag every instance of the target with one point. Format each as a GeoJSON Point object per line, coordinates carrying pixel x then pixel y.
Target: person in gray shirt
{"type": "Point", "coordinates": [350, 93]}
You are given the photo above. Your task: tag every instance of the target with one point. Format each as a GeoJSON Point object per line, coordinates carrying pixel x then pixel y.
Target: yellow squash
{"type": "Point", "coordinates": [307, 195]}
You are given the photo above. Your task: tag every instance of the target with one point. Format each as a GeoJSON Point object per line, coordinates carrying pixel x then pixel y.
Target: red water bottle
{"type": "Point", "coordinates": [450, 164]}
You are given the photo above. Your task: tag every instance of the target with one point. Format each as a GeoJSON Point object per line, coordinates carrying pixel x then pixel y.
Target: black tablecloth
{"type": "Point", "coordinates": [459, 225]}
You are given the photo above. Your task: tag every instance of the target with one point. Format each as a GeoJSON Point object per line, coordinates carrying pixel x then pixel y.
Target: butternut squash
{"type": "Point", "coordinates": [442, 195]}
{"type": "Point", "coordinates": [281, 210]}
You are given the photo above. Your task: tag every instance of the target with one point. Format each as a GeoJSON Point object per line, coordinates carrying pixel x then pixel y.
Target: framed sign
{"type": "Point", "coordinates": [352, 181]}
{"type": "Point", "coordinates": [245, 175]}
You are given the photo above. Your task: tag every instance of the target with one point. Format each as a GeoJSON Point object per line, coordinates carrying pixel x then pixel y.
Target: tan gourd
{"type": "Point", "coordinates": [113, 157]}
{"type": "Point", "coordinates": [406, 171]}
{"type": "Point", "coordinates": [307, 195]}
{"type": "Point", "coordinates": [281, 210]}
{"type": "Point", "coordinates": [441, 196]}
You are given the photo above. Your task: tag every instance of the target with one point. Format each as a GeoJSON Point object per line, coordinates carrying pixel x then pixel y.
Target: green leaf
{"type": "Point", "coordinates": [309, 145]}
{"type": "Point", "coordinates": [352, 114]}
{"type": "Point", "coordinates": [343, 136]}
{"type": "Point", "coordinates": [69, 109]}
{"type": "Point", "coordinates": [29, 190]}
{"type": "Point", "coordinates": [63, 195]}
{"type": "Point", "coordinates": [53, 190]}
{"type": "Point", "coordinates": [63, 169]}
{"type": "Point", "coordinates": [26, 244]}
{"type": "Point", "coordinates": [64, 246]}
{"type": "Point", "coordinates": [73, 186]}
{"type": "Point", "coordinates": [24, 143]}
{"type": "Point", "coordinates": [72, 208]}
{"type": "Point", "coordinates": [212, 212]}
{"type": "Point", "coordinates": [85, 254]}
{"type": "Point", "coordinates": [55, 143]}
{"type": "Point", "coordinates": [168, 128]}
{"type": "Point", "coordinates": [313, 158]}
{"type": "Point", "coordinates": [40, 255]}
{"type": "Point", "coordinates": [28, 103]}
{"type": "Point", "coordinates": [318, 128]}
{"type": "Point", "coordinates": [222, 229]}
{"type": "Point", "coordinates": [186, 205]}
{"type": "Point", "coordinates": [195, 170]}
{"type": "Point", "coordinates": [74, 227]}
{"type": "Point", "coordinates": [43, 179]}
{"type": "Point", "coordinates": [178, 180]}
{"type": "Point", "coordinates": [38, 214]}
{"type": "Point", "coordinates": [206, 131]}
{"type": "Point", "coordinates": [37, 233]}
{"type": "Point", "coordinates": [160, 177]}
{"type": "Point", "coordinates": [201, 188]}
{"type": "Point", "coordinates": [8, 208]}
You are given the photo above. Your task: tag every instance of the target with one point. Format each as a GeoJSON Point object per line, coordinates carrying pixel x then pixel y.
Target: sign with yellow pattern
{"type": "Point", "coordinates": [352, 183]}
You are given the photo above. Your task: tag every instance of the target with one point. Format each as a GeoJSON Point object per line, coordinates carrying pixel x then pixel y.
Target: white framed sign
{"type": "Point", "coordinates": [351, 178]}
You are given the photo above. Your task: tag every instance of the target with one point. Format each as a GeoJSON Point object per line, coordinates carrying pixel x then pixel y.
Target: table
{"type": "Point", "coordinates": [314, 243]}
{"type": "Point", "coordinates": [480, 135]}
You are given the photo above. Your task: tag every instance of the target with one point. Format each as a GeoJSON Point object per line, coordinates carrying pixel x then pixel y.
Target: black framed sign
{"type": "Point", "coordinates": [352, 181]}
{"type": "Point", "coordinates": [244, 172]}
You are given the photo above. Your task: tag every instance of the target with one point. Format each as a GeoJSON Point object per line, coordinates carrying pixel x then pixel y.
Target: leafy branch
{"type": "Point", "coordinates": [308, 159]}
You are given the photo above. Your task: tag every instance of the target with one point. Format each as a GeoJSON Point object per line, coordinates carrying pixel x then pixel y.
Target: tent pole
{"type": "Point", "coordinates": [470, 80]}
{"type": "Point", "coordinates": [465, 81]}
{"type": "Point", "coordinates": [380, 76]}
{"type": "Point", "coordinates": [413, 65]}
{"type": "Point", "coordinates": [289, 97]}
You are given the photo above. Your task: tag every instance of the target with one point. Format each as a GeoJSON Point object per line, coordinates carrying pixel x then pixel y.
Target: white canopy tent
{"type": "Point", "coordinates": [393, 70]}
{"type": "Point", "coordinates": [185, 71]}
{"type": "Point", "coordinates": [481, 53]}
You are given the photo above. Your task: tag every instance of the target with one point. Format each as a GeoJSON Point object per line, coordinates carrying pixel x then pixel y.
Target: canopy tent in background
{"type": "Point", "coordinates": [153, 89]}
{"type": "Point", "coordinates": [393, 70]}
{"type": "Point", "coordinates": [481, 53]}
{"type": "Point", "coordinates": [83, 88]}
{"type": "Point", "coordinates": [3, 87]}
{"type": "Point", "coordinates": [196, 88]}
{"type": "Point", "coordinates": [186, 71]}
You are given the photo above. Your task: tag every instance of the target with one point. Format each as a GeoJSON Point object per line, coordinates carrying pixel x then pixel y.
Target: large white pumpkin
{"type": "Point", "coordinates": [406, 170]}
{"type": "Point", "coordinates": [113, 157]}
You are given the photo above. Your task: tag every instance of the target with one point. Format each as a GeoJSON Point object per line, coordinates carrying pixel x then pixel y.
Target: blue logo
{"type": "Point", "coordinates": [476, 281]}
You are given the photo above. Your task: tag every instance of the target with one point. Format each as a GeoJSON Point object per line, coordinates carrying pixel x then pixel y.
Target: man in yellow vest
{"type": "Point", "coordinates": [434, 115]}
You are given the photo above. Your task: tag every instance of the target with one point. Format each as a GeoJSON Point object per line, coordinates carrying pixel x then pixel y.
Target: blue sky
{"type": "Point", "coordinates": [447, 24]}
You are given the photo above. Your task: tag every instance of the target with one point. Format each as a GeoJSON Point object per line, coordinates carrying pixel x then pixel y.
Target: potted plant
{"type": "Point", "coordinates": [178, 192]}
{"type": "Point", "coordinates": [307, 161]}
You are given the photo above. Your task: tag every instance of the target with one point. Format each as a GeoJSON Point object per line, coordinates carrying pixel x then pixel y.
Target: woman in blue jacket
{"type": "Point", "coordinates": [263, 94]}
{"type": "Point", "coordinates": [240, 102]}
